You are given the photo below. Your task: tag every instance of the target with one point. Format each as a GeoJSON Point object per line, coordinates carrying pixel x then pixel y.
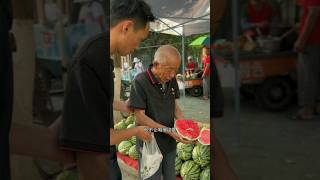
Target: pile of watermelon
{"type": "Point", "coordinates": [193, 160]}
{"type": "Point", "coordinates": [127, 147]}
{"type": "Point", "coordinates": [192, 130]}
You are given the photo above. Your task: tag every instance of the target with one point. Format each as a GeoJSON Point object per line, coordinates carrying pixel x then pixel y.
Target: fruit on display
{"type": "Point", "coordinates": [130, 120]}
{"type": "Point", "coordinates": [133, 140]}
{"type": "Point", "coordinates": [120, 125]}
{"type": "Point", "coordinates": [133, 153]}
{"type": "Point", "coordinates": [131, 126]}
{"type": "Point", "coordinates": [124, 147]}
{"type": "Point", "coordinates": [184, 151]}
{"type": "Point", "coordinates": [188, 129]}
{"type": "Point", "coordinates": [201, 155]}
{"type": "Point", "coordinates": [204, 137]}
{"type": "Point", "coordinates": [190, 170]}
{"type": "Point", "coordinates": [205, 173]}
{"type": "Point", "coordinates": [178, 165]}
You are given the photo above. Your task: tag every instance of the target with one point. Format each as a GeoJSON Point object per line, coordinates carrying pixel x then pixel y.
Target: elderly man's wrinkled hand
{"type": "Point", "coordinates": [178, 138]}
{"type": "Point", "coordinates": [143, 133]}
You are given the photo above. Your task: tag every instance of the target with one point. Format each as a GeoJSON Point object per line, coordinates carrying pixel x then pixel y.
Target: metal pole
{"type": "Point", "coordinates": [183, 55]}
{"type": "Point", "coordinates": [235, 35]}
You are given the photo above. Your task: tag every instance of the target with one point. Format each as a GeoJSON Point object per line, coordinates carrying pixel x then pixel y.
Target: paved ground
{"type": "Point", "coordinates": [269, 146]}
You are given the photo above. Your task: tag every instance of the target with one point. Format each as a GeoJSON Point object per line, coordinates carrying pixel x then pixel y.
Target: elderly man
{"type": "Point", "coordinates": [153, 96]}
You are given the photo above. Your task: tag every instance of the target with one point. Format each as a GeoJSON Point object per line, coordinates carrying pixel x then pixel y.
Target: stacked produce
{"type": "Point", "coordinates": [127, 147]}
{"type": "Point", "coordinates": [193, 160]}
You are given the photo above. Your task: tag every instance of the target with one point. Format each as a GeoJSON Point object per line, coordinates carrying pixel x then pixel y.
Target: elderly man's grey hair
{"type": "Point", "coordinates": [164, 53]}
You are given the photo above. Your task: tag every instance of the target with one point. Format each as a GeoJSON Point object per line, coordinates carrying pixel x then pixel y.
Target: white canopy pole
{"type": "Point", "coordinates": [183, 54]}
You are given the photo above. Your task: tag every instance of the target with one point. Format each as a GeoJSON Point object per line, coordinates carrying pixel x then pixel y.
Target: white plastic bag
{"type": "Point", "coordinates": [151, 158]}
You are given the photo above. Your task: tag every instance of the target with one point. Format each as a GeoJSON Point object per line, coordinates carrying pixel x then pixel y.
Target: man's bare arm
{"type": "Point", "coordinates": [121, 106]}
{"type": "Point", "coordinates": [116, 136]}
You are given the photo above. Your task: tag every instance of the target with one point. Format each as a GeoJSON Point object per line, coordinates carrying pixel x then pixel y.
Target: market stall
{"type": "Point", "coordinates": [191, 159]}
{"type": "Point", "coordinates": [247, 49]}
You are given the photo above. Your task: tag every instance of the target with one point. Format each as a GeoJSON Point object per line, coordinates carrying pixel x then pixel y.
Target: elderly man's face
{"type": "Point", "coordinates": [166, 71]}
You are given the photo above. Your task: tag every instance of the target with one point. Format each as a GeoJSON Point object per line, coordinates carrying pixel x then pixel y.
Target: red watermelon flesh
{"type": "Point", "coordinates": [188, 129]}
{"type": "Point", "coordinates": [204, 137]}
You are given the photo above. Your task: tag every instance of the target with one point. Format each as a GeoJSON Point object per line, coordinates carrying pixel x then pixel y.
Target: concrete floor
{"type": "Point", "coordinates": [264, 145]}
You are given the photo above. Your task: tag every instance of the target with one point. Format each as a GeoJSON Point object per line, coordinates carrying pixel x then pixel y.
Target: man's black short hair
{"type": "Point", "coordinates": [136, 10]}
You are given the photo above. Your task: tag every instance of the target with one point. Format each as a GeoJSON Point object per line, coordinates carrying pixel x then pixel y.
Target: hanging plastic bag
{"type": "Point", "coordinates": [151, 158]}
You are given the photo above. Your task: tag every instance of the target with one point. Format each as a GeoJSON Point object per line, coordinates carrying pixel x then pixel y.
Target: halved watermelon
{"type": "Point", "coordinates": [204, 137]}
{"type": "Point", "coordinates": [188, 129]}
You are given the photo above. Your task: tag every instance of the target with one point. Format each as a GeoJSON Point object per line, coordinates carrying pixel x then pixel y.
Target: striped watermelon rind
{"type": "Point", "coordinates": [184, 151]}
{"type": "Point", "coordinates": [190, 170]}
{"type": "Point", "coordinates": [133, 153]}
{"type": "Point", "coordinates": [201, 155]}
{"type": "Point", "coordinates": [124, 147]}
{"type": "Point", "coordinates": [205, 173]}
{"type": "Point", "coordinates": [178, 164]}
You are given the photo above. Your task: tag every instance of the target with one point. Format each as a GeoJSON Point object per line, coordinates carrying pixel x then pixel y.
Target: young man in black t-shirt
{"type": "Point", "coordinates": [88, 106]}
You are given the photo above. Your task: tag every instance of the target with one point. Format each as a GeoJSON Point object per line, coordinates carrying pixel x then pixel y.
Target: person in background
{"type": "Point", "coordinates": [256, 17]}
{"type": "Point", "coordinates": [92, 15]}
{"type": "Point", "coordinates": [206, 72]}
{"type": "Point", "coordinates": [138, 66]}
{"type": "Point", "coordinates": [191, 65]}
{"type": "Point", "coordinates": [308, 46]}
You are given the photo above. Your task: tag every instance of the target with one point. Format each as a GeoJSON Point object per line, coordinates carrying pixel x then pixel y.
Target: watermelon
{"type": "Point", "coordinates": [204, 137]}
{"type": "Point", "coordinates": [124, 147]}
{"type": "Point", "coordinates": [120, 125]}
{"type": "Point", "coordinates": [133, 140]}
{"type": "Point", "coordinates": [205, 173]}
{"type": "Point", "coordinates": [67, 175]}
{"type": "Point", "coordinates": [204, 126]}
{"type": "Point", "coordinates": [130, 126]}
{"type": "Point", "coordinates": [190, 170]}
{"type": "Point", "coordinates": [130, 120]}
{"type": "Point", "coordinates": [201, 155]}
{"type": "Point", "coordinates": [133, 153]}
{"type": "Point", "coordinates": [184, 151]}
{"type": "Point", "coordinates": [178, 165]}
{"type": "Point", "coordinates": [188, 129]}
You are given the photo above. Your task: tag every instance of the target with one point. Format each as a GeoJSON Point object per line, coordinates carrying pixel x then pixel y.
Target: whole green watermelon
{"type": "Point", "coordinates": [120, 125]}
{"type": "Point", "coordinates": [133, 140]}
{"type": "Point", "coordinates": [201, 155]}
{"type": "Point", "coordinates": [205, 173]}
{"type": "Point", "coordinates": [178, 165]}
{"type": "Point", "coordinates": [124, 147]}
{"type": "Point", "coordinates": [184, 151]}
{"type": "Point", "coordinates": [133, 153]}
{"type": "Point", "coordinates": [67, 175]}
{"type": "Point", "coordinates": [190, 170]}
{"type": "Point", "coordinates": [130, 120]}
